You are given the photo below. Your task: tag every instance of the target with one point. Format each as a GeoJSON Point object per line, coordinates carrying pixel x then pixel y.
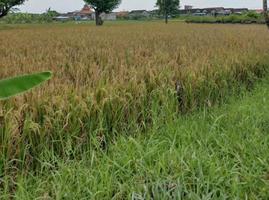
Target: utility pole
{"type": "Point", "coordinates": [166, 11]}
{"type": "Point", "coordinates": [265, 12]}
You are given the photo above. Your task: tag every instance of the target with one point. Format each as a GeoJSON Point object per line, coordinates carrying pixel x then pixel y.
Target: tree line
{"type": "Point", "coordinates": [165, 7]}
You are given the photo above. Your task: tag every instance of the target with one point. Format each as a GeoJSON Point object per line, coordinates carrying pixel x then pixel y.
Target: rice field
{"type": "Point", "coordinates": [117, 80]}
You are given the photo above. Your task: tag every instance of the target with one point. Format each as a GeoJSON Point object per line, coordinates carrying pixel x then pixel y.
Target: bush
{"type": "Point", "coordinates": [247, 18]}
{"type": "Point", "coordinates": [27, 18]}
{"type": "Point", "coordinates": [253, 15]}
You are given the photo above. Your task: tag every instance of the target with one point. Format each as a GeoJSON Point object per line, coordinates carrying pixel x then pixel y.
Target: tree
{"type": "Point", "coordinates": [6, 5]}
{"type": "Point", "coordinates": [51, 13]}
{"type": "Point", "coordinates": [167, 7]}
{"type": "Point", "coordinates": [265, 11]}
{"type": "Point", "coordinates": [102, 6]}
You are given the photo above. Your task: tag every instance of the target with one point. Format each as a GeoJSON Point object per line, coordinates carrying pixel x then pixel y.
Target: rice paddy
{"type": "Point", "coordinates": [117, 81]}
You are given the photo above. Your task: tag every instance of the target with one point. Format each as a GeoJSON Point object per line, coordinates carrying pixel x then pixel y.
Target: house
{"type": "Point", "coordinates": [199, 14]}
{"type": "Point", "coordinates": [122, 15]}
{"type": "Point", "coordinates": [62, 18]}
{"type": "Point", "coordinates": [155, 13]}
{"type": "Point", "coordinates": [136, 14]}
{"type": "Point", "coordinates": [106, 16]}
{"type": "Point", "coordinates": [84, 14]}
{"type": "Point", "coordinates": [215, 11]}
{"type": "Point", "coordinates": [88, 13]}
{"type": "Point", "coordinates": [224, 12]}
{"type": "Point", "coordinates": [258, 11]}
{"type": "Point", "coordinates": [239, 10]}
{"type": "Point", "coordinates": [202, 11]}
{"type": "Point", "coordinates": [188, 7]}
{"type": "Point", "coordinates": [86, 10]}
{"type": "Point", "coordinates": [109, 16]}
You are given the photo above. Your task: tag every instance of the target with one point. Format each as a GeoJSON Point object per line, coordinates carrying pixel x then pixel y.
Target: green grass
{"type": "Point", "coordinates": [217, 153]}
{"type": "Point", "coordinates": [231, 19]}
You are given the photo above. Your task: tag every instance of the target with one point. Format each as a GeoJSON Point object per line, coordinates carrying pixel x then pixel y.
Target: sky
{"type": "Point", "coordinates": [39, 6]}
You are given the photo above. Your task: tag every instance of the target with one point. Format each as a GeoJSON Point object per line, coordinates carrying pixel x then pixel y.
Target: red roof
{"type": "Point", "coordinates": [86, 10]}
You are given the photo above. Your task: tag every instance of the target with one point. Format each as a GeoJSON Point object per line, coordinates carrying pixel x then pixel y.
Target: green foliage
{"type": "Point", "coordinates": [167, 7]}
{"type": "Point", "coordinates": [247, 18]}
{"type": "Point", "coordinates": [17, 85]}
{"type": "Point", "coordinates": [52, 13]}
{"type": "Point", "coordinates": [103, 5]}
{"type": "Point", "coordinates": [27, 18]}
{"type": "Point", "coordinates": [6, 5]}
{"type": "Point", "coordinates": [253, 15]}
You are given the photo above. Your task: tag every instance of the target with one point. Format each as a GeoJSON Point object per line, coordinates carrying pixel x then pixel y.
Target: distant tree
{"type": "Point", "coordinates": [51, 13]}
{"type": "Point", "coordinates": [6, 5]}
{"type": "Point", "coordinates": [265, 11]}
{"type": "Point", "coordinates": [167, 7]}
{"type": "Point", "coordinates": [102, 6]}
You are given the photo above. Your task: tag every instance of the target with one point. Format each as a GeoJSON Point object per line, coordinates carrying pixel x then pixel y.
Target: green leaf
{"type": "Point", "coordinates": [20, 84]}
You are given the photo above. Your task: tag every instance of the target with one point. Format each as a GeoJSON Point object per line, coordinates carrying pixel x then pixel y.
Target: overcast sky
{"type": "Point", "coordinates": [37, 6]}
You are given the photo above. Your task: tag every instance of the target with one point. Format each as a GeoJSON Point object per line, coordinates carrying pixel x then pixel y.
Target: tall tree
{"type": "Point", "coordinates": [265, 11]}
{"type": "Point", "coordinates": [102, 6]}
{"type": "Point", "coordinates": [6, 5]}
{"type": "Point", "coordinates": [167, 7]}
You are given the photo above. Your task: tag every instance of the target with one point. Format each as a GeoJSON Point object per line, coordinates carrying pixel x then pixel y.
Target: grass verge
{"type": "Point", "coordinates": [220, 153]}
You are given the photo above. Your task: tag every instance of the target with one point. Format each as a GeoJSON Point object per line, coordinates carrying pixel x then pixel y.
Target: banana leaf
{"type": "Point", "coordinates": [20, 84]}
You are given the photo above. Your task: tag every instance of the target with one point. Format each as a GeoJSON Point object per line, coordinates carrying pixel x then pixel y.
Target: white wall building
{"type": "Point", "coordinates": [106, 16]}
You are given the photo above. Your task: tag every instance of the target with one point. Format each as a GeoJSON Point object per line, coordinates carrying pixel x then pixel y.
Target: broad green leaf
{"type": "Point", "coordinates": [20, 84]}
